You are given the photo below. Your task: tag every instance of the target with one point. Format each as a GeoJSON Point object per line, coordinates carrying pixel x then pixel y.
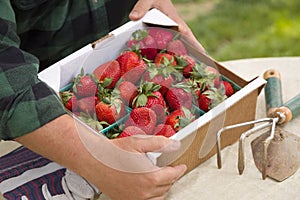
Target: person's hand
{"type": "Point", "coordinates": [103, 162]}
{"type": "Point", "coordinates": [149, 185]}
{"type": "Point", "coordinates": [167, 7]}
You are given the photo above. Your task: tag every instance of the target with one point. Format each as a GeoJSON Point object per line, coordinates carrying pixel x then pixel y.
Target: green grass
{"type": "Point", "coordinates": [236, 29]}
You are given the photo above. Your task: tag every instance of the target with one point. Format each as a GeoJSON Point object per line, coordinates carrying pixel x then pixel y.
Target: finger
{"type": "Point", "coordinates": [147, 143]}
{"type": "Point", "coordinates": [169, 175]}
{"type": "Point", "coordinates": [140, 9]}
{"type": "Point", "coordinates": [165, 178]}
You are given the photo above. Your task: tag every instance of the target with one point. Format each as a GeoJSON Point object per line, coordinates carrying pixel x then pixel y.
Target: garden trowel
{"type": "Point", "coordinates": [276, 153]}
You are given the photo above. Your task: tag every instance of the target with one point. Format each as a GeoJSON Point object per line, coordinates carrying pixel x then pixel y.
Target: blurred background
{"type": "Point", "coordinates": [237, 29]}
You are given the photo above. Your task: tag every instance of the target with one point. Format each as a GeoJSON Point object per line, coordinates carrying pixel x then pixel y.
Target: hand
{"type": "Point", "coordinates": [73, 146]}
{"type": "Point", "coordinates": [151, 185]}
{"type": "Point", "coordinates": [167, 7]}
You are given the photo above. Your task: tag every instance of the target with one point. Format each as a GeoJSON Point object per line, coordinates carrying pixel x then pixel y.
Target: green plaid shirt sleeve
{"type": "Point", "coordinates": [35, 34]}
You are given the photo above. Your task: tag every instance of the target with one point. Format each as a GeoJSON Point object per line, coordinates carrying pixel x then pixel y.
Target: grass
{"type": "Point", "coordinates": [236, 29]}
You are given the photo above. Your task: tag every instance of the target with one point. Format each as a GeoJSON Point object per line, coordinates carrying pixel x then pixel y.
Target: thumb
{"type": "Point", "coordinates": [148, 143]}
{"type": "Point", "coordinates": [140, 9]}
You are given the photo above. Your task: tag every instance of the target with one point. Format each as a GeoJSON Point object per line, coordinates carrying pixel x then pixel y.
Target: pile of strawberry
{"type": "Point", "coordinates": [153, 87]}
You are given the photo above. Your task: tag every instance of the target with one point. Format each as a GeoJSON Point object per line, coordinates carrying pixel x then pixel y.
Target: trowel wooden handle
{"type": "Point", "coordinates": [290, 109]}
{"type": "Point", "coordinates": [273, 91]}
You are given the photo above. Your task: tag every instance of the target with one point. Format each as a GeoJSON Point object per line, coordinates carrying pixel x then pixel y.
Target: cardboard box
{"type": "Point", "coordinates": [198, 139]}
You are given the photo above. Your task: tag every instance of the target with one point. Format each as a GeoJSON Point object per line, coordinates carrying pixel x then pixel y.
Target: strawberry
{"type": "Point", "coordinates": [84, 85]}
{"type": "Point", "coordinates": [147, 92]}
{"type": "Point", "coordinates": [204, 102]}
{"type": "Point", "coordinates": [142, 117]}
{"type": "Point", "coordinates": [161, 36]}
{"type": "Point", "coordinates": [87, 104]}
{"type": "Point", "coordinates": [108, 71]}
{"type": "Point", "coordinates": [210, 98]}
{"type": "Point", "coordinates": [135, 74]}
{"type": "Point", "coordinates": [228, 88]}
{"type": "Point", "coordinates": [164, 130]}
{"type": "Point", "coordinates": [128, 91]}
{"type": "Point", "coordinates": [92, 122]}
{"type": "Point", "coordinates": [179, 95]}
{"type": "Point", "coordinates": [155, 98]}
{"type": "Point", "coordinates": [110, 111]}
{"type": "Point", "coordinates": [161, 76]}
{"type": "Point", "coordinates": [131, 130]}
{"type": "Point", "coordinates": [213, 72]}
{"type": "Point", "coordinates": [69, 100]}
{"type": "Point", "coordinates": [176, 47]}
{"type": "Point", "coordinates": [149, 49]}
{"type": "Point", "coordinates": [159, 79]}
{"type": "Point", "coordinates": [180, 118]}
{"type": "Point", "coordinates": [128, 60]}
{"type": "Point", "coordinates": [143, 43]}
{"type": "Point", "coordinates": [150, 97]}
{"type": "Point", "coordinates": [165, 59]}
{"type": "Point", "coordinates": [205, 77]}
{"type": "Point", "coordinates": [158, 105]}
{"type": "Point", "coordinates": [186, 64]}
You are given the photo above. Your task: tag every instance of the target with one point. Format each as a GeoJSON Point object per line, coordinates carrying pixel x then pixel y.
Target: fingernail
{"type": "Point", "coordinates": [134, 14]}
{"type": "Point", "coordinates": [172, 146]}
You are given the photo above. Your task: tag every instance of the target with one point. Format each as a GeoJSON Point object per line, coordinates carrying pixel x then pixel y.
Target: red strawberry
{"type": "Point", "coordinates": [84, 85]}
{"type": "Point", "coordinates": [128, 91]}
{"type": "Point", "coordinates": [69, 100]}
{"type": "Point", "coordinates": [180, 118]}
{"type": "Point", "coordinates": [164, 130]}
{"type": "Point", "coordinates": [158, 105]}
{"type": "Point", "coordinates": [87, 104]}
{"type": "Point", "coordinates": [186, 63]}
{"type": "Point", "coordinates": [128, 60]}
{"type": "Point", "coordinates": [228, 88]}
{"type": "Point", "coordinates": [92, 121]}
{"type": "Point", "coordinates": [210, 98]}
{"type": "Point", "coordinates": [143, 43]}
{"type": "Point", "coordinates": [155, 98]}
{"type": "Point", "coordinates": [176, 47]}
{"type": "Point", "coordinates": [110, 112]}
{"type": "Point", "coordinates": [204, 102]}
{"type": "Point", "coordinates": [179, 95]}
{"type": "Point", "coordinates": [131, 130]}
{"type": "Point", "coordinates": [215, 74]}
{"type": "Point", "coordinates": [161, 76]}
{"type": "Point", "coordinates": [161, 36]}
{"type": "Point", "coordinates": [142, 117]}
{"type": "Point", "coordinates": [165, 59]}
{"type": "Point", "coordinates": [108, 71]}
{"type": "Point", "coordinates": [135, 74]}
{"type": "Point", "coordinates": [205, 77]}
{"type": "Point", "coordinates": [150, 97]}
{"type": "Point", "coordinates": [159, 79]}
{"type": "Point", "coordinates": [149, 49]}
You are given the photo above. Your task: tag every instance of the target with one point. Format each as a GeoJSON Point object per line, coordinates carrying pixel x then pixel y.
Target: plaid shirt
{"type": "Point", "coordinates": [34, 34]}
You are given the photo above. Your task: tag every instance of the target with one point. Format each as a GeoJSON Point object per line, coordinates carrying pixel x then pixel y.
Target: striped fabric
{"type": "Point", "coordinates": [23, 172]}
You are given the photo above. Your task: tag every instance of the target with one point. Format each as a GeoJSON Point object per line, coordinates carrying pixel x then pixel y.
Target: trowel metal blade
{"type": "Point", "coordinates": [283, 158]}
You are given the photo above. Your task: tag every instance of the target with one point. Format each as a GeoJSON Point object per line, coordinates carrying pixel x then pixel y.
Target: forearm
{"type": "Point", "coordinates": [58, 140]}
